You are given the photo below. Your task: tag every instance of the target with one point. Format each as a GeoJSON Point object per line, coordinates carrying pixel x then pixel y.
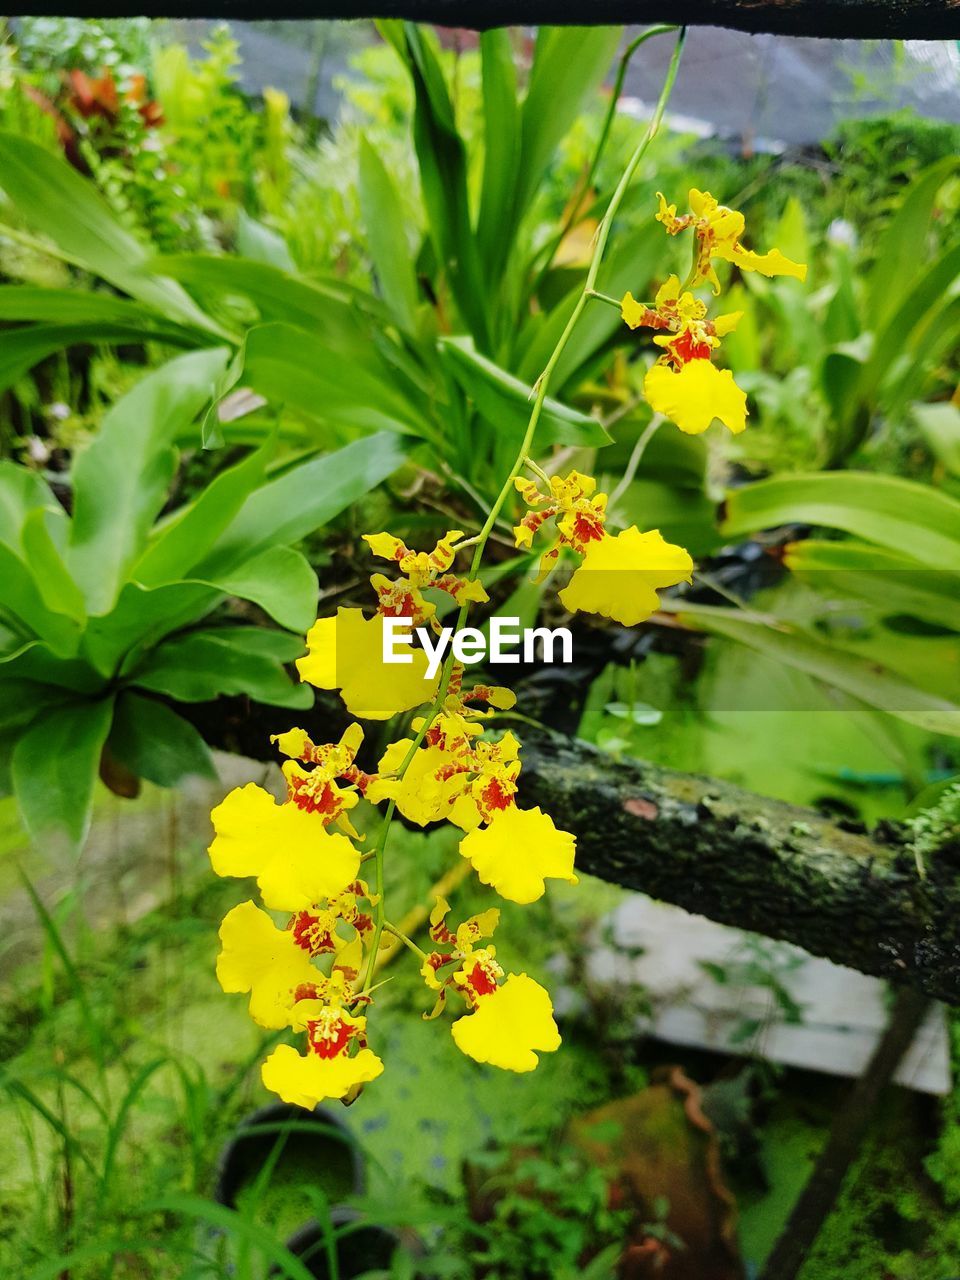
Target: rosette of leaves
{"type": "Point", "coordinates": [111, 605]}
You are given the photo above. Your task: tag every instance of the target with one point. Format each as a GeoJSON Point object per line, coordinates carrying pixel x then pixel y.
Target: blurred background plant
{"type": "Point", "coordinates": [351, 311]}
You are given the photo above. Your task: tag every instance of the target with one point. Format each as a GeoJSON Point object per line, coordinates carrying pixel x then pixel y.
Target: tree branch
{"type": "Point", "coordinates": [839, 19]}
{"type": "Point", "coordinates": [710, 847]}
{"type": "Point", "coordinates": [756, 863]}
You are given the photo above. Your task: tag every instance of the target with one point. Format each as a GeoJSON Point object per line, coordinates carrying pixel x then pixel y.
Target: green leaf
{"type": "Point", "coordinates": [55, 200]}
{"type": "Point", "coordinates": [261, 244]}
{"type": "Point", "coordinates": [893, 583]}
{"type": "Point", "coordinates": [385, 236]}
{"type": "Point", "coordinates": [891, 512]}
{"type": "Point", "coordinates": [505, 402]}
{"type": "Point", "coordinates": [302, 500]}
{"type": "Point", "coordinates": [861, 678]}
{"type": "Point", "coordinates": [22, 599]}
{"type": "Point", "coordinates": [23, 348]}
{"type": "Point", "coordinates": [54, 768]}
{"type": "Point", "coordinates": [59, 591]}
{"type": "Point", "coordinates": [184, 538]}
{"type": "Point", "coordinates": [142, 618]}
{"type": "Point", "coordinates": [48, 305]}
{"type": "Point", "coordinates": [501, 147]}
{"type": "Point", "coordinates": [21, 491]}
{"type": "Point", "coordinates": [229, 660]}
{"type": "Point", "coordinates": [569, 67]}
{"type": "Point", "coordinates": [900, 245]}
{"type": "Point", "coordinates": [281, 582]}
{"type": "Point", "coordinates": [120, 479]}
{"type": "Point", "coordinates": [442, 158]}
{"type": "Point", "coordinates": [296, 369]}
{"type": "Point", "coordinates": [940, 426]}
{"type": "Point", "coordinates": [157, 744]}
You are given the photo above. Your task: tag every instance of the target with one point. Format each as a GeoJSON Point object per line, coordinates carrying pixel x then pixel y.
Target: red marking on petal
{"type": "Point", "coordinates": [686, 348]}
{"type": "Point", "coordinates": [480, 981]}
{"type": "Point", "coordinates": [329, 1038]}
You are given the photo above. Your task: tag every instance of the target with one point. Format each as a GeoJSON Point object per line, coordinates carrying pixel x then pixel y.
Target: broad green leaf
{"type": "Point", "coordinates": [340, 313]}
{"type": "Point", "coordinates": [54, 199]}
{"type": "Point", "coordinates": [303, 500]}
{"type": "Point", "coordinates": [632, 267]}
{"type": "Point", "coordinates": [157, 744]}
{"type": "Point", "coordinates": [36, 661]}
{"type": "Point", "coordinates": [261, 244]}
{"type": "Point", "coordinates": [568, 69]}
{"type": "Point", "coordinates": [229, 660]}
{"type": "Point", "coordinates": [142, 618]}
{"type": "Point", "coordinates": [891, 512]}
{"type": "Point", "coordinates": [85, 307]}
{"type": "Point", "coordinates": [442, 158]}
{"type": "Point", "coordinates": [386, 237]}
{"type": "Point", "coordinates": [54, 768]}
{"type": "Point", "coordinates": [21, 490]}
{"type": "Point", "coordinates": [917, 311]}
{"type": "Point", "coordinates": [185, 537]}
{"type": "Point", "coordinates": [21, 349]}
{"type": "Point", "coordinates": [505, 402]}
{"type": "Point", "coordinates": [893, 583]}
{"type": "Point", "coordinates": [120, 480]}
{"type": "Point", "coordinates": [59, 591]}
{"type": "Point", "coordinates": [501, 147]}
{"type": "Point", "coordinates": [281, 582]}
{"type": "Point", "coordinates": [901, 244]}
{"type": "Point", "coordinates": [296, 369]}
{"type": "Point", "coordinates": [22, 700]}
{"type": "Point", "coordinates": [20, 597]}
{"type": "Point", "coordinates": [864, 679]}
{"type": "Point", "coordinates": [940, 425]}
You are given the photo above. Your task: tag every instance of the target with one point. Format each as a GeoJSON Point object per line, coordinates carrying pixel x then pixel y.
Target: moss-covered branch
{"type": "Point", "coordinates": [757, 863]}
{"type": "Point", "coordinates": [715, 849]}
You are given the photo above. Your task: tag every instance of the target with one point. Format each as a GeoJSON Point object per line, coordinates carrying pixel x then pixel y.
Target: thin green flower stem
{"type": "Point", "coordinates": [639, 449]}
{"type": "Point", "coordinates": [407, 942]}
{"type": "Point", "coordinates": [605, 297]}
{"type": "Point", "coordinates": [540, 391]}
{"type": "Point", "coordinates": [632, 47]}
{"type": "Point", "coordinates": [537, 470]}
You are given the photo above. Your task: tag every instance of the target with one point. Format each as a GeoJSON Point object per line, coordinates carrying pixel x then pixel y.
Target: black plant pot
{"type": "Point", "coordinates": [366, 1247]}
{"type": "Point", "coordinates": [315, 1142]}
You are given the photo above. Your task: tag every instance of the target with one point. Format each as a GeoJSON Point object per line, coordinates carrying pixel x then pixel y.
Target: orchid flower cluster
{"type": "Point", "coordinates": [314, 974]}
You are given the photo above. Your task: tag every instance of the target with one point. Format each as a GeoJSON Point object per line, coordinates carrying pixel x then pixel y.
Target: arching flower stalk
{"type": "Point", "coordinates": [314, 974]}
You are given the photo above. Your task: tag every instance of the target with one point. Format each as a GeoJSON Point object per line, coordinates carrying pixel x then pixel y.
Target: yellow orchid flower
{"type": "Point", "coordinates": [718, 231]}
{"type": "Point", "coordinates": [619, 576]}
{"type": "Point", "coordinates": [694, 395]}
{"type": "Point", "coordinates": [268, 962]}
{"type": "Point", "coordinates": [328, 1069]}
{"type": "Point", "coordinates": [509, 1026]}
{"type": "Point", "coordinates": [346, 653]}
{"type": "Point", "coordinates": [519, 851]}
{"type": "Point", "coordinates": [296, 861]}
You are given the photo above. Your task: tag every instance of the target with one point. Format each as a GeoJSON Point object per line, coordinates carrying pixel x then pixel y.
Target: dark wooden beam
{"type": "Point", "coordinates": [836, 19]}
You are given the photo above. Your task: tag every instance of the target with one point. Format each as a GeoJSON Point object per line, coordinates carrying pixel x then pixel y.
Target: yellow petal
{"type": "Point", "coordinates": [518, 850]}
{"type": "Point", "coordinates": [619, 577]}
{"type": "Point", "coordinates": [297, 862]}
{"type": "Point", "coordinates": [422, 795]}
{"type": "Point", "coordinates": [292, 742]}
{"type": "Point", "coordinates": [509, 1025]}
{"type": "Point", "coordinates": [773, 263]}
{"type": "Point", "coordinates": [346, 653]}
{"type": "Point", "coordinates": [385, 545]}
{"type": "Point", "coordinates": [695, 396]}
{"type": "Point", "coordinates": [305, 1081]}
{"type": "Point", "coordinates": [632, 311]}
{"type": "Point", "coordinates": [726, 324]}
{"type": "Point", "coordinates": [258, 957]}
